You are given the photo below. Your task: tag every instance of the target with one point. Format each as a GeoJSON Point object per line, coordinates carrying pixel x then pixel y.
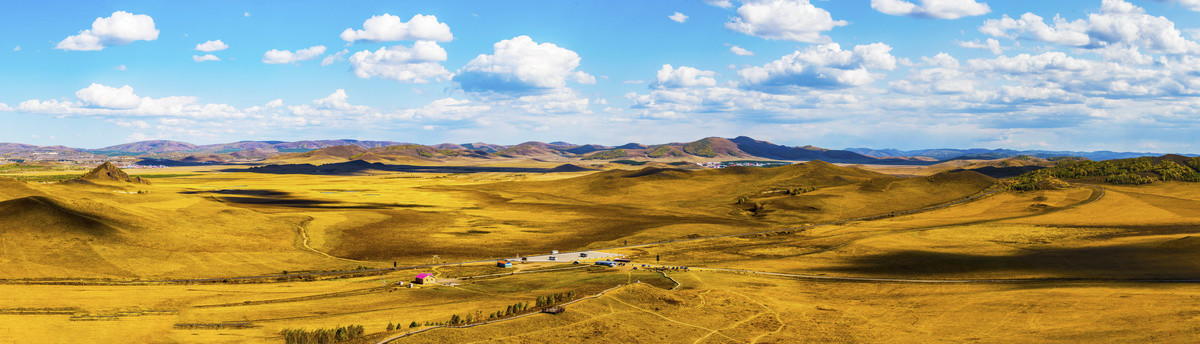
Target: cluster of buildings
{"type": "Point", "coordinates": [724, 164]}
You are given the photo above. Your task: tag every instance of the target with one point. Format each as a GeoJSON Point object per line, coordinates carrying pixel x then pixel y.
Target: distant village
{"type": "Point", "coordinates": [724, 164]}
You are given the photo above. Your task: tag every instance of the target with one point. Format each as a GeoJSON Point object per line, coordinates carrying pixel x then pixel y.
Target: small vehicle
{"type": "Point", "coordinates": [524, 259]}
{"type": "Point", "coordinates": [553, 258]}
{"type": "Point", "coordinates": [583, 254]}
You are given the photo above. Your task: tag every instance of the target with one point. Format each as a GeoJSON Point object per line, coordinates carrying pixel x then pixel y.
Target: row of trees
{"type": "Point", "coordinates": [548, 300]}
{"type": "Point", "coordinates": [323, 336]}
{"type": "Point", "coordinates": [801, 190]}
{"type": "Point", "coordinates": [511, 310]}
{"type": "Point", "coordinates": [393, 327]}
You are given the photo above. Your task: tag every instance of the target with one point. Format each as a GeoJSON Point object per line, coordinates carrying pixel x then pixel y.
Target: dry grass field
{"type": "Point", "coordinates": [90, 261]}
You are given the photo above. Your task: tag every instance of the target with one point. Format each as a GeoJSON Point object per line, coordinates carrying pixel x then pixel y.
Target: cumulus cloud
{"type": "Point", "coordinates": [119, 68]}
{"type": "Point", "coordinates": [100, 96]}
{"type": "Point", "coordinates": [943, 75]}
{"type": "Point", "coordinates": [211, 46]}
{"type": "Point", "coordinates": [792, 20]}
{"type": "Point", "coordinates": [1117, 23]}
{"type": "Point", "coordinates": [418, 64]}
{"type": "Point", "coordinates": [390, 28]}
{"type": "Point", "coordinates": [739, 51]}
{"type": "Point", "coordinates": [822, 66]}
{"type": "Point", "coordinates": [684, 76]}
{"type": "Point", "coordinates": [120, 28]}
{"type": "Point", "coordinates": [678, 17]}
{"type": "Point", "coordinates": [519, 65]}
{"type": "Point", "coordinates": [275, 56]}
{"type": "Point", "coordinates": [337, 101]}
{"type": "Point", "coordinates": [205, 57]}
{"type": "Point", "coordinates": [991, 44]}
{"type": "Point", "coordinates": [936, 9]}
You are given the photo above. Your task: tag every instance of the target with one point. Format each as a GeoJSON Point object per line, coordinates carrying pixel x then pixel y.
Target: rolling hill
{"type": "Point", "coordinates": [107, 172]}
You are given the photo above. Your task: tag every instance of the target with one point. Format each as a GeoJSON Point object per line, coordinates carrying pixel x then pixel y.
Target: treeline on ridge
{"type": "Point", "coordinates": [1136, 171]}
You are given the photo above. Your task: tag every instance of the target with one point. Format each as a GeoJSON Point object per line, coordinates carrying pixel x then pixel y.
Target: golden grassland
{"type": "Point", "coordinates": [1091, 259]}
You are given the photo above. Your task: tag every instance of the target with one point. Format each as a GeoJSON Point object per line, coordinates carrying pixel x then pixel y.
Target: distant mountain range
{"type": "Point", "coordinates": [945, 154]}
{"type": "Point", "coordinates": [160, 146]}
{"type": "Point", "coordinates": [707, 149]}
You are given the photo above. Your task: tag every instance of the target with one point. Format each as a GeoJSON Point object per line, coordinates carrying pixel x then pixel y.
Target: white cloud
{"type": "Point", "coordinates": [719, 3]}
{"type": "Point", "coordinates": [449, 109]}
{"type": "Point", "coordinates": [211, 46]}
{"type": "Point", "coordinates": [335, 105]}
{"type": "Point", "coordinates": [944, 76]}
{"type": "Point", "coordinates": [339, 56]}
{"type": "Point", "coordinates": [991, 44]}
{"type": "Point", "coordinates": [418, 64]}
{"type": "Point", "coordinates": [1031, 26]}
{"type": "Point", "coordinates": [205, 57]}
{"type": "Point", "coordinates": [684, 76]}
{"type": "Point", "coordinates": [937, 9]}
{"type": "Point", "coordinates": [521, 65]}
{"type": "Point", "coordinates": [678, 17]}
{"type": "Point", "coordinates": [736, 50]}
{"type": "Point", "coordinates": [1193, 5]}
{"type": "Point", "coordinates": [246, 14]}
{"type": "Point", "coordinates": [119, 68]}
{"type": "Point", "coordinates": [792, 20]}
{"type": "Point", "coordinates": [100, 96]}
{"type": "Point", "coordinates": [388, 28]}
{"type": "Point", "coordinates": [119, 29]}
{"type": "Point", "coordinates": [561, 101]}
{"type": "Point", "coordinates": [275, 56]}
{"type": "Point", "coordinates": [822, 66]}
{"type": "Point", "coordinates": [17, 48]}
{"type": "Point", "coordinates": [1117, 23]}
{"type": "Point", "coordinates": [675, 103]}
{"type": "Point", "coordinates": [336, 100]}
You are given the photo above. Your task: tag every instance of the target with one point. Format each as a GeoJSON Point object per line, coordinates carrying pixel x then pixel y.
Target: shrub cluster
{"type": "Point", "coordinates": [661, 151]}
{"type": "Point", "coordinates": [702, 148]}
{"type": "Point", "coordinates": [607, 155]}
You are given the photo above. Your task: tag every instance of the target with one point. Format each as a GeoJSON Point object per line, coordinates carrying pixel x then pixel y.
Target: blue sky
{"type": "Point", "coordinates": [1079, 75]}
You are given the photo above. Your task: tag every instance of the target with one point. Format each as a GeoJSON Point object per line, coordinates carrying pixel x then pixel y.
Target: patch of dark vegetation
{"type": "Point", "coordinates": [215, 326]}
{"type": "Point", "coordinates": [1135, 171]}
